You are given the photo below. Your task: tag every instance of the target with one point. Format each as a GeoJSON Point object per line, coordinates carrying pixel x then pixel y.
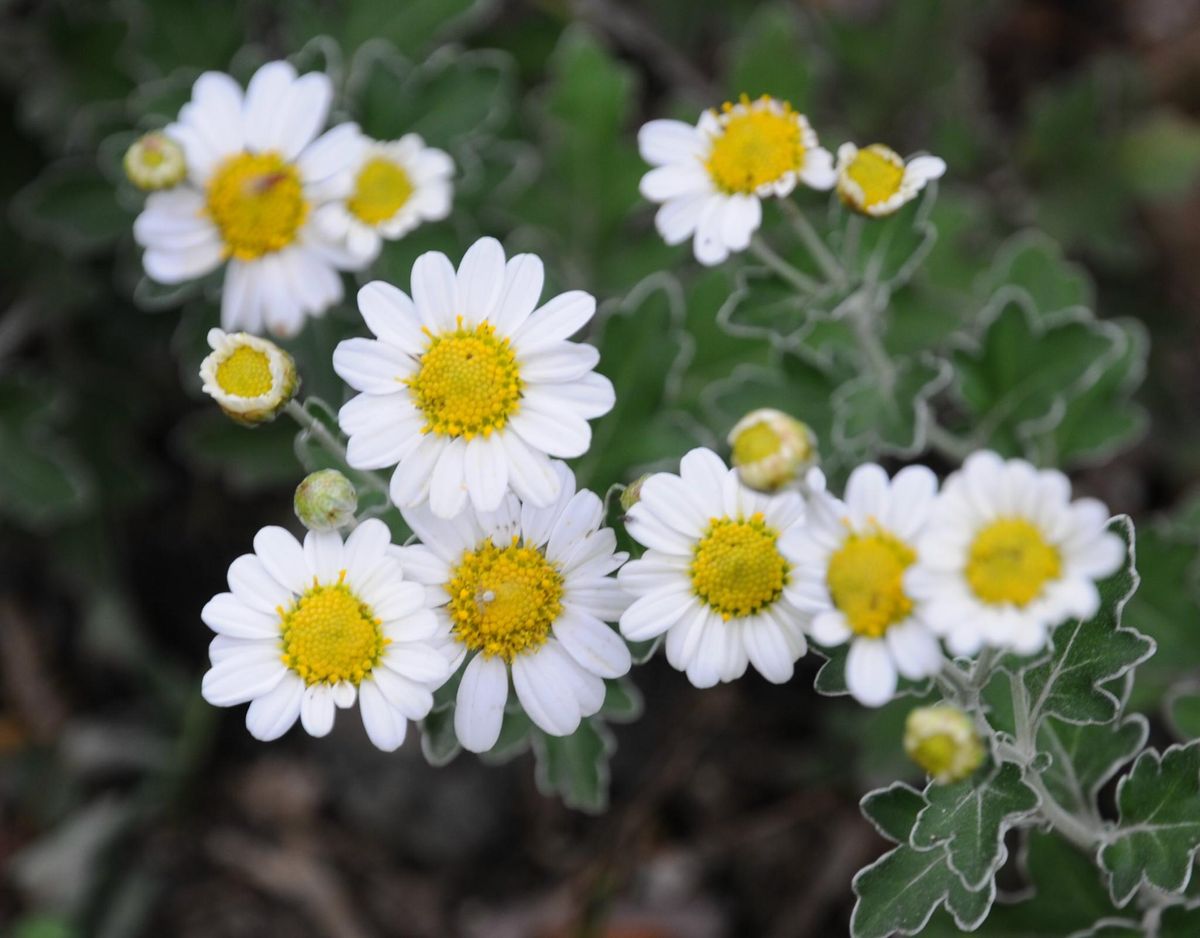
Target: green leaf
{"type": "Point", "coordinates": [899, 892]}
{"type": "Point", "coordinates": [1033, 262]}
{"type": "Point", "coordinates": [410, 25]}
{"type": "Point", "coordinates": [575, 767]}
{"type": "Point", "coordinates": [452, 97]}
{"type": "Point", "coordinates": [1085, 757]}
{"type": "Point", "coordinates": [872, 420]}
{"type": "Point", "coordinates": [1026, 368]}
{"type": "Point", "coordinates": [247, 459]}
{"type": "Point", "coordinates": [1158, 833]}
{"type": "Point", "coordinates": [1182, 708]}
{"type": "Point", "coordinates": [1070, 683]}
{"type": "Point", "coordinates": [772, 55]}
{"type": "Point", "coordinates": [439, 744]}
{"type": "Point", "coordinates": [1179, 922]}
{"type": "Point", "coordinates": [623, 702]}
{"type": "Point", "coordinates": [644, 428]}
{"type": "Point", "coordinates": [970, 818]}
{"type": "Point", "coordinates": [1161, 156]}
{"type": "Point", "coordinates": [72, 206]}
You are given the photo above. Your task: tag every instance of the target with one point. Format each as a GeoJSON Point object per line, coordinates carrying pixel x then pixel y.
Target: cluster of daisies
{"type": "Point", "coordinates": [711, 178]}
{"type": "Point", "coordinates": [471, 394]}
{"type": "Point", "coordinates": [252, 182]}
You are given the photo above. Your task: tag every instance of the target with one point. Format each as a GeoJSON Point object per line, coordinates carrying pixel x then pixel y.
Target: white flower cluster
{"type": "Point", "coordinates": [283, 207]}
{"type": "Point", "coordinates": [711, 178]}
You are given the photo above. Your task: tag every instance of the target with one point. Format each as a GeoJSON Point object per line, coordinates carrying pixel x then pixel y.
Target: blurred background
{"type": "Point", "coordinates": [129, 807]}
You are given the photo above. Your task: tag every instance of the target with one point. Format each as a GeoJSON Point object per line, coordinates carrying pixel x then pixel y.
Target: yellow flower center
{"type": "Point", "coordinates": [330, 635]}
{"type": "Point", "coordinates": [755, 147]}
{"type": "Point", "coordinates": [503, 601]}
{"type": "Point", "coordinates": [865, 579]}
{"type": "Point", "coordinates": [737, 568]}
{"type": "Point", "coordinates": [245, 373]}
{"type": "Point", "coordinates": [257, 202]}
{"type": "Point", "coordinates": [468, 382]}
{"type": "Point", "coordinates": [1010, 562]}
{"type": "Point", "coordinates": [757, 441]}
{"type": "Point", "coordinates": [380, 191]}
{"type": "Point", "coordinates": [878, 173]}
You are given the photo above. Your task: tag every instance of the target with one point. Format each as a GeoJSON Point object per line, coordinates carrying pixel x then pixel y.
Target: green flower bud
{"type": "Point", "coordinates": [633, 491]}
{"type": "Point", "coordinates": [155, 161]}
{"type": "Point", "coordinates": [772, 450]}
{"type": "Point", "coordinates": [943, 741]}
{"type": "Point", "coordinates": [251, 379]}
{"type": "Point", "coordinates": [325, 501]}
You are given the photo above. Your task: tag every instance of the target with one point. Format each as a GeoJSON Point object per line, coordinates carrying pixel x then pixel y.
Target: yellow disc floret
{"type": "Point", "coordinates": [758, 144]}
{"type": "Point", "coordinates": [877, 172]}
{"type": "Point", "coordinates": [381, 189]}
{"type": "Point", "coordinates": [257, 202]}
{"type": "Point", "coordinates": [330, 635]}
{"type": "Point", "coordinates": [737, 568]}
{"type": "Point", "coordinates": [1010, 561]}
{"type": "Point", "coordinates": [503, 600]}
{"type": "Point", "coordinates": [468, 382]}
{"type": "Point", "coordinates": [865, 580]}
{"type": "Point", "coordinates": [245, 373]}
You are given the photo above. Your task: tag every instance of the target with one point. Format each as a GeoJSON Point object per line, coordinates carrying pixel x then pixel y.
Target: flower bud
{"type": "Point", "coordinates": [155, 161]}
{"type": "Point", "coordinates": [772, 450]}
{"type": "Point", "coordinates": [943, 741]}
{"type": "Point", "coordinates": [325, 501]}
{"type": "Point", "coordinates": [250, 378]}
{"type": "Point", "coordinates": [633, 492]}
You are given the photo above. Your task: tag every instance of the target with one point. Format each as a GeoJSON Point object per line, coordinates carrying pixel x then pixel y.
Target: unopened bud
{"type": "Point", "coordinates": [325, 501]}
{"type": "Point", "coordinates": [155, 161]}
{"type": "Point", "coordinates": [772, 450]}
{"type": "Point", "coordinates": [633, 492]}
{"type": "Point", "coordinates": [943, 741]}
{"type": "Point", "coordinates": [251, 379]}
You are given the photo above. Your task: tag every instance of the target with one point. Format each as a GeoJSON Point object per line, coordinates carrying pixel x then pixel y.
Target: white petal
{"type": "Point", "coordinates": [768, 649]}
{"type": "Point", "coordinates": [435, 290]}
{"type": "Point", "coordinates": [324, 555]}
{"type": "Point", "coordinates": [242, 677]}
{"type": "Point", "coordinates": [410, 481]}
{"type": "Point", "coordinates": [545, 687]}
{"type": "Point", "coordinates": [669, 141]}
{"type": "Point", "coordinates": [371, 366]}
{"type": "Point", "coordinates": [418, 663]}
{"type": "Point", "coordinates": [479, 711]}
{"type": "Point", "coordinates": [254, 586]}
{"type": "Point", "coordinates": [335, 151]}
{"type": "Point", "coordinates": [523, 279]}
{"type": "Point", "coordinates": [530, 473]}
{"type": "Point", "coordinates": [915, 650]}
{"type": "Point", "coordinates": [558, 363]}
{"type": "Point", "coordinates": [592, 644]}
{"type": "Point", "coordinates": [225, 614]}
{"type": "Point", "coordinates": [392, 316]}
{"type": "Point", "coordinates": [448, 487]}
{"type": "Point", "coordinates": [411, 699]}
{"type": "Point", "coordinates": [171, 267]}
{"type": "Point", "coordinates": [265, 97]}
{"type": "Point", "coordinates": [649, 616]}
{"type": "Point", "coordinates": [385, 726]}
{"type": "Point", "coordinates": [870, 673]}
{"type": "Point", "coordinates": [273, 714]}
{"type": "Point", "coordinates": [480, 280]}
{"type": "Point", "coordinates": [283, 557]}
{"type": "Point", "coordinates": [561, 434]}
{"type": "Point", "coordinates": [563, 316]}
{"type": "Point", "coordinates": [317, 710]}
{"type": "Point", "coordinates": [485, 469]}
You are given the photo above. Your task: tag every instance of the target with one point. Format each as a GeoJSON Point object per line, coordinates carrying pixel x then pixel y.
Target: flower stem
{"type": "Point", "coordinates": [313, 426]}
{"type": "Point", "coordinates": [797, 278]}
{"type": "Point", "coordinates": [865, 324]}
{"type": "Point", "coordinates": [830, 266]}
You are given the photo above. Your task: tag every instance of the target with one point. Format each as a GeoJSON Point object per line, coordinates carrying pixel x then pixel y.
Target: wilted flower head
{"type": "Point", "coordinates": [155, 161]}
{"type": "Point", "coordinates": [771, 449]}
{"type": "Point", "coordinates": [250, 378]}
{"type": "Point", "coordinates": [877, 181]}
{"type": "Point", "coordinates": [943, 741]}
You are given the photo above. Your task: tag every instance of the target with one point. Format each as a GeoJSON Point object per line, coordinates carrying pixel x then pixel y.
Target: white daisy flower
{"type": "Point", "coordinates": [526, 592]}
{"type": "Point", "coordinates": [877, 181]}
{"type": "Point", "coordinates": [853, 557]}
{"type": "Point", "coordinates": [256, 172]}
{"type": "Point", "coordinates": [467, 389]}
{"type": "Point", "coordinates": [1007, 556]}
{"type": "Point", "coordinates": [398, 184]}
{"type": "Point", "coordinates": [309, 629]}
{"type": "Point", "coordinates": [719, 574]}
{"type": "Point", "coordinates": [251, 379]}
{"type": "Point", "coordinates": [711, 178]}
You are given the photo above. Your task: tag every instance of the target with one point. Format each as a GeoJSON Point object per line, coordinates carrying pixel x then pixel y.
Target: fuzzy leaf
{"type": "Point", "coordinates": [72, 206]}
{"type": "Point", "coordinates": [899, 892]}
{"type": "Point", "coordinates": [1070, 683]}
{"type": "Point", "coordinates": [970, 818]}
{"type": "Point", "coordinates": [872, 420]}
{"type": "Point", "coordinates": [1083, 758]}
{"type": "Point", "coordinates": [575, 767]}
{"type": "Point", "coordinates": [439, 744]}
{"type": "Point", "coordinates": [1158, 833]}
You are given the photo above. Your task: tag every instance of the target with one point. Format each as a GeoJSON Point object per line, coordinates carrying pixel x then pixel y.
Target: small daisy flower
{"type": "Point", "coordinates": [256, 172]}
{"type": "Point", "coordinates": [526, 593]}
{"type": "Point", "coordinates": [467, 389]}
{"type": "Point", "coordinates": [853, 557]}
{"type": "Point", "coordinates": [719, 574]}
{"type": "Point", "coordinates": [876, 181]}
{"type": "Point", "coordinates": [155, 161]}
{"type": "Point", "coordinates": [250, 378]}
{"type": "Point", "coordinates": [1007, 556]}
{"type": "Point", "coordinates": [310, 629]}
{"type": "Point", "coordinates": [711, 178]}
{"type": "Point", "coordinates": [398, 185]}
{"type": "Point", "coordinates": [772, 450]}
